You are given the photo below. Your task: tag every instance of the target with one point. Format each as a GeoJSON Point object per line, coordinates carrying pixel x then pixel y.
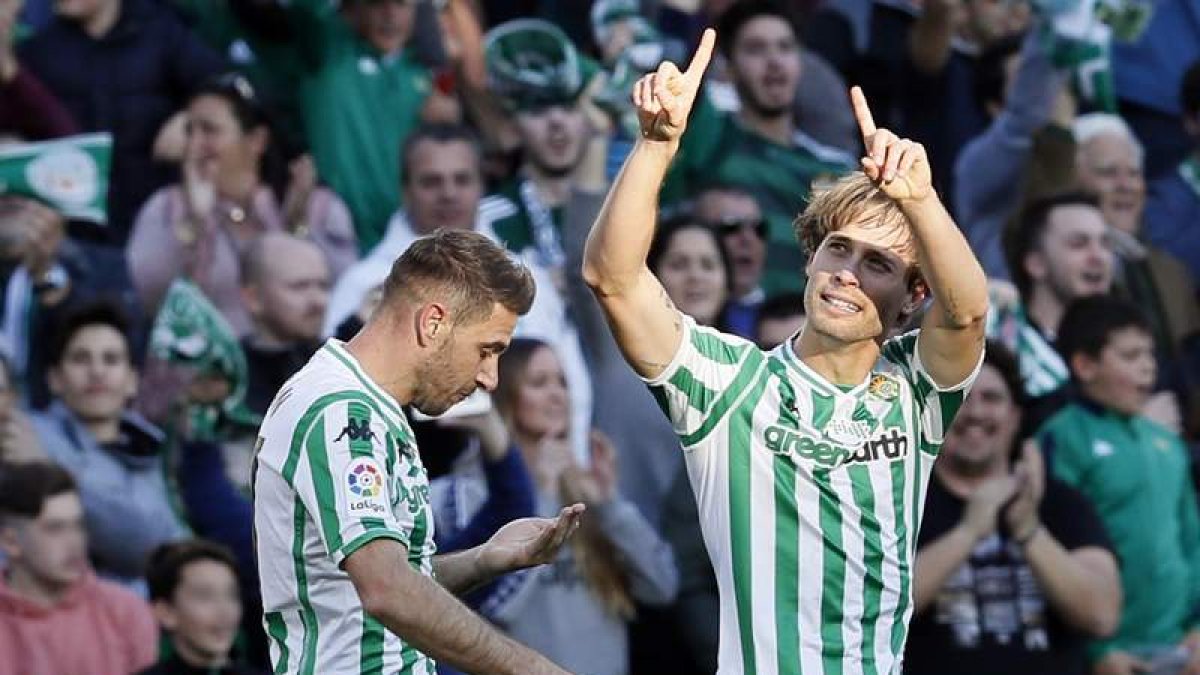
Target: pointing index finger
{"type": "Point", "coordinates": [862, 113]}
{"type": "Point", "coordinates": [703, 55]}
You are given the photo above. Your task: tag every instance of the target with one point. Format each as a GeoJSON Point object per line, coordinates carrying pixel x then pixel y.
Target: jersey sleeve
{"type": "Point", "coordinates": [344, 455]}
{"type": "Point", "coordinates": [936, 405]}
{"type": "Point", "coordinates": [710, 372]}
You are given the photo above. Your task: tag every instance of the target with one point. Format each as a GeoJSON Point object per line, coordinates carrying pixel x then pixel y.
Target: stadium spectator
{"type": "Point", "coordinates": [124, 66]}
{"type": "Point", "coordinates": [759, 146]}
{"type": "Point", "coordinates": [733, 213]}
{"type": "Point", "coordinates": [285, 283]}
{"type": "Point", "coordinates": [114, 454]}
{"type": "Point", "coordinates": [1135, 473]}
{"type": "Point", "coordinates": [990, 169]}
{"type": "Point", "coordinates": [575, 609]}
{"type": "Point", "coordinates": [1014, 572]}
{"type": "Point", "coordinates": [231, 192]}
{"type": "Point", "coordinates": [56, 617]}
{"type": "Point", "coordinates": [362, 94]}
{"type": "Point", "coordinates": [1060, 250]}
{"type": "Point", "coordinates": [30, 111]}
{"type": "Point", "coordinates": [194, 592]}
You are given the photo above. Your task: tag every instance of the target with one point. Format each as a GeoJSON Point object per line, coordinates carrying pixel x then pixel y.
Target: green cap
{"type": "Point", "coordinates": [531, 63]}
{"type": "Point", "coordinates": [189, 330]}
{"type": "Point", "coordinates": [68, 174]}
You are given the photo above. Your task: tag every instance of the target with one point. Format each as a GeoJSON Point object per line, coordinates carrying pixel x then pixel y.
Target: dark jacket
{"type": "Point", "coordinates": [129, 82]}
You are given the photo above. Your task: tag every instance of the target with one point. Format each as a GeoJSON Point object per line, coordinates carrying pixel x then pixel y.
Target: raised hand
{"type": "Point", "coordinates": [664, 98]}
{"type": "Point", "coordinates": [899, 166]}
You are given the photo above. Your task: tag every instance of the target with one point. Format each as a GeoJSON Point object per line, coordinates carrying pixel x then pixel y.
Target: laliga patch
{"type": "Point", "coordinates": [364, 488]}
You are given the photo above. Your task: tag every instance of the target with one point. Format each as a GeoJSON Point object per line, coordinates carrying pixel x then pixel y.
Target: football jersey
{"type": "Point", "coordinates": [336, 467]}
{"type": "Point", "coordinates": [809, 497]}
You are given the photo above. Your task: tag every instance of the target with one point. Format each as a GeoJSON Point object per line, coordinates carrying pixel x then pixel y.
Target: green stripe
{"type": "Point", "coordinates": [833, 581]}
{"type": "Point", "coordinates": [898, 489]}
{"type": "Point", "coordinates": [322, 482]}
{"type": "Point", "coordinates": [747, 374]}
{"type": "Point", "coordinates": [315, 409]}
{"type": "Point", "coordinates": [739, 522]}
{"type": "Point", "coordinates": [714, 348]}
{"type": "Point", "coordinates": [699, 396]}
{"type": "Point", "coordinates": [822, 410]}
{"type": "Point", "coordinates": [787, 559]}
{"type": "Point", "coordinates": [864, 499]}
{"type": "Point", "coordinates": [370, 658]}
{"type": "Point", "coordinates": [277, 630]}
{"type": "Point", "coordinates": [308, 617]}
{"type": "Point", "coordinates": [408, 659]}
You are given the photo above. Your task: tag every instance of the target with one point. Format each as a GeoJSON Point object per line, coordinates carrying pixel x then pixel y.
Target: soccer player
{"type": "Point", "coordinates": [344, 530]}
{"type": "Point", "coordinates": [809, 466]}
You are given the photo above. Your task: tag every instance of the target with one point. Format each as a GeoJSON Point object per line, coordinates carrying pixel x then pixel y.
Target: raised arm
{"type": "Point", "coordinates": [645, 323]}
{"type": "Point", "coordinates": [952, 331]}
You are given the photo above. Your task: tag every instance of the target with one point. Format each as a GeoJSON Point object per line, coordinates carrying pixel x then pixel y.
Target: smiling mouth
{"type": "Point", "coordinates": [840, 305]}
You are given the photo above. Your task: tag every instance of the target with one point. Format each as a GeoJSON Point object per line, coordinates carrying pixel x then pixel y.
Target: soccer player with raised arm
{"type": "Point", "coordinates": [809, 463]}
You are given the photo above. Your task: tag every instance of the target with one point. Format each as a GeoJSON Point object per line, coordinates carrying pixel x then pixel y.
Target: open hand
{"type": "Point", "coordinates": [664, 98]}
{"type": "Point", "coordinates": [530, 541]}
{"type": "Point", "coordinates": [1021, 515]}
{"type": "Point", "coordinates": [899, 166]}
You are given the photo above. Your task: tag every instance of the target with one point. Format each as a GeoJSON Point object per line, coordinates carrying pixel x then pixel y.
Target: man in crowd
{"type": "Point", "coordinates": [114, 454]}
{"type": "Point", "coordinates": [1014, 571]}
{"type": "Point", "coordinates": [55, 615]}
{"type": "Point", "coordinates": [1135, 473]}
{"type": "Point", "coordinates": [733, 213]}
{"type": "Point", "coordinates": [285, 283]}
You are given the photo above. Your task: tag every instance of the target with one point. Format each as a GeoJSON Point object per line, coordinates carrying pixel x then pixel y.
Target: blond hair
{"type": "Point", "coordinates": [852, 198]}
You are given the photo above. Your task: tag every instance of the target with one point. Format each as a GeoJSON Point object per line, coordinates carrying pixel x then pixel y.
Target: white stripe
{"type": "Point", "coordinates": [763, 514]}
{"type": "Point", "coordinates": [855, 572]}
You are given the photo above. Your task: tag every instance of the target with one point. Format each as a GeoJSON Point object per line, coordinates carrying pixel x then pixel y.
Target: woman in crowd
{"type": "Point", "coordinates": [235, 187]}
{"type": "Point", "coordinates": [574, 610]}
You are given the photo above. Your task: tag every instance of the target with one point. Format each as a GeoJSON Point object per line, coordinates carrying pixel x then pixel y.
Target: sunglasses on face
{"type": "Point", "coordinates": [728, 226]}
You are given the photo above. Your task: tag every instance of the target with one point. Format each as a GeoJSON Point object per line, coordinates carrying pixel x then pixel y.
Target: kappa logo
{"type": "Point", "coordinates": [356, 430]}
{"type": "Point", "coordinates": [890, 445]}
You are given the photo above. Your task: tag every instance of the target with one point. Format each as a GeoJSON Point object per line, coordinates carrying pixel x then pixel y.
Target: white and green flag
{"type": "Point", "coordinates": [68, 174]}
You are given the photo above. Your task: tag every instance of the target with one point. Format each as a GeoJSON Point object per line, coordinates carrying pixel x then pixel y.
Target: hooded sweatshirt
{"type": "Point", "coordinates": [96, 628]}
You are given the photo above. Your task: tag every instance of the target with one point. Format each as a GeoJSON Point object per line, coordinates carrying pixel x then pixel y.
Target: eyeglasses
{"type": "Point", "coordinates": [731, 225]}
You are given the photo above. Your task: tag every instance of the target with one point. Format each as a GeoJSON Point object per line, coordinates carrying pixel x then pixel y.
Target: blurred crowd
{"type": "Point", "coordinates": [196, 194]}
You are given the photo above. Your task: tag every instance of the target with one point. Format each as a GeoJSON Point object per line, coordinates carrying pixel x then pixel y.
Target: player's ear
{"type": "Point", "coordinates": [432, 324]}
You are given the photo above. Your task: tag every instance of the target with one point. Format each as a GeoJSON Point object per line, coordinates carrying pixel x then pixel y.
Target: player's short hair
{"type": "Point", "coordinates": [1189, 90]}
{"type": "Point", "coordinates": [852, 198]}
{"type": "Point", "coordinates": [466, 270]}
{"type": "Point", "coordinates": [1028, 232]}
{"type": "Point", "coordinates": [164, 569]}
{"type": "Point", "coordinates": [740, 13]}
{"type": "Point", "coordinates": [25, 487]}
{"type": "Point", "coordinates": [437, 133]}
{"type": "Point", "coordinates": [98, 312]}
{"type": "Point", "coordinates": [1090, 322]}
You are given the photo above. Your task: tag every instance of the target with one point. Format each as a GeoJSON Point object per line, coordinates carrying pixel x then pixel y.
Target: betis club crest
{"type": "Point", "coordinates": [883, 387]}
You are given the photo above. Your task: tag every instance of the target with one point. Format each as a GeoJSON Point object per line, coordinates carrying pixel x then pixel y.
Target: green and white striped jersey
{"type": "Point", "coordinates": [336, 467]}
{"type": "Point", "coordinates": [809, 496]}
{"type": "Point", "coordinates": [1042, 367]}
